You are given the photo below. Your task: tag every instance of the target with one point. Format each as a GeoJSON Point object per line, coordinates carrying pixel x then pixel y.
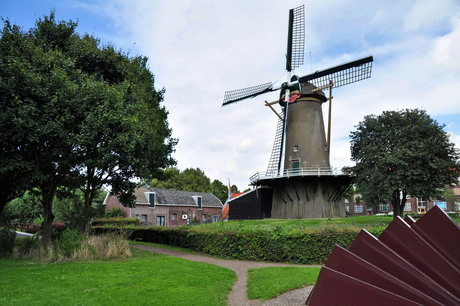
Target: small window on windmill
{"type": "Point", "coordinates": [151, 199]}
{"type": "Point", "coordinates": [198, 201]}
{"type": "Point", "coordinates": [296, 148]}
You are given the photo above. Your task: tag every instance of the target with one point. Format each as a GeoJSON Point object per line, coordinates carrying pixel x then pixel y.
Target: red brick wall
{"type": "Point", "coordinates": [151, 213]}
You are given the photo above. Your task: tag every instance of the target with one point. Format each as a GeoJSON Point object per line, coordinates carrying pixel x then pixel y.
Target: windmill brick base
{"type": "Point", "coordinates": [308, 196]}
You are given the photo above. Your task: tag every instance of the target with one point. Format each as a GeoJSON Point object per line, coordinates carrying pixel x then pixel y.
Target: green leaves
{"type": "Point", "coordinates": [402, 152]}
{"type": "Point", "coordinates": [76, 114]}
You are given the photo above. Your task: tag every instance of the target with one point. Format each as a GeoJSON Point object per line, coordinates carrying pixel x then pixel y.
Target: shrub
{"type": "Point", "coordinates": [28, 245]}
{"type": "Point", "coordinates": [249, 243]}
{"type": "Point", "coordinates": [116, 222]}
{"type": "Point", "coordinates": [70, 241]}
{"type": "Point", "coordinates": [57, 230]}
{"type": "Point", "coordinates": [7, 238]}
{"type": "Point", "coordinates": [74, 246]}
{"type": "Point", "coordinates": [115, 213]}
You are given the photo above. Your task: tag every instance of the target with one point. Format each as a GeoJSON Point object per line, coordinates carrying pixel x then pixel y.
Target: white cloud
{"type": "Point", "coordinates": [200, 49]}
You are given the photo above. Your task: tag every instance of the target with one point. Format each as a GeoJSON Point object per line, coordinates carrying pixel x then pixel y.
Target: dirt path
{"type": "Point", "coordinates": [238, 295]}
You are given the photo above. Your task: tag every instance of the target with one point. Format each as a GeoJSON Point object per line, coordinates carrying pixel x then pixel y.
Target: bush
{"type": "Point", "coordinates": [57, 230]}
{"type": "Point", "coordinates": [74, 246]}
{"type": "Point", "coordinates": [116, 222]}
{"type": "Point", "coordinates": [279, 244]}
{"type": "Point", "coordinates": [28, 245]}
{"type": "Point", "coordinates": [115, 213]}
{"type": "Point", "coordinates": [7, 238]}
{"type": "Point", "coordinates": [70, 241]}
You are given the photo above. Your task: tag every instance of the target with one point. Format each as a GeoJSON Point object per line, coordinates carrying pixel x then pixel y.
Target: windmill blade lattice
{"type": "Point", "coordinates": [296, 38]}
{"type": "Point", "coordinates": [233, 96]}
{"type": "Point", "coordinates": [343, 74]}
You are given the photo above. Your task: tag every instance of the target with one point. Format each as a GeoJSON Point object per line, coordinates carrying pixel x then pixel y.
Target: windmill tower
{"type": "Point", "coordinates": [299, 171]}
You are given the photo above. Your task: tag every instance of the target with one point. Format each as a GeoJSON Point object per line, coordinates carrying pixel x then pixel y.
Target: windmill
{"type": "Point", "coordinates": [300, 136]}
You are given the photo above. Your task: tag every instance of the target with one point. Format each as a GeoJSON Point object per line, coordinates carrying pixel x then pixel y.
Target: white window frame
{"type": "Point", "coordinates": [358, 209]}
{"type": "Point", "coordinates": [198, 201]}
{"type": "Point", "coordinates": [162, 221]}
{"type": "Point", "coordinates": [147, 195]}
{"type": "Point", "coordinates": [421, 202]}
{"type": "Point", "coordinates": [384, 207]}
{"type": "Point", "coordinates": [408, 206]}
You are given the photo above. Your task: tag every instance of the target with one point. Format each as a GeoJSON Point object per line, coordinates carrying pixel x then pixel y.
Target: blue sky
{"type": "Point", "coordinates": [198, 49]}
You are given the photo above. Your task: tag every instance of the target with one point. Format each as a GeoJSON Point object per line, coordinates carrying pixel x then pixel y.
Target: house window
{"type": "Point", "coordinates": [442, 205]}
{"type": "Point", "coordinates": [144, 218]}
{"type": "Point", "coordinates": [296, 148]}
{"type": "Point", "coordinates": [151, 199]}
{"type": "Point", "coordinates": [384, 207]}
{"type": "Point", "coordinates": [421, 202]}
{"type": "Point", "coordinates": [347, 208]}
{"type": "Point", "coordinates": [407, 207]}
{"type": "Point", "coordinates": [174, 217]}
{"type": "Point", "coordinates": [215, 219]}
{"type": "Point", "coordinates": [359, 209]}
{"type": "Point", "coordinates": [204, 218]}
{"type": "Point", "coordinates": [198, 201]}
{"type": "Point", "coordinates": [161, 221]}
{"type": "Point", "coordinates": [137, 216]}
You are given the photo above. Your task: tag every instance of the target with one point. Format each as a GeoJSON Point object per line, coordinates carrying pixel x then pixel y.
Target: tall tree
{"type": "Point", "coordinates": [219, 190]}
{"type": "Point", "coordinates": [402, 153]}
{"type": "Point", "coordinates": [78, 114]}
{"type": "Point", "coordinates": [191, 179]}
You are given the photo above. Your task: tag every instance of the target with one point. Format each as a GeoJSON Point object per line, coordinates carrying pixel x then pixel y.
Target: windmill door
{"type": "Point", "coordinates": [295, 166]}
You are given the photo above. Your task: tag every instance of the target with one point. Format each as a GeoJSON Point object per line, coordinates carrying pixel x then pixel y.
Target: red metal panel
{"type": "Point", "coordinates": [406, 265]}
{"type": "Point", "coordinates": [408, 244]}
{"type": "Point", "coordinates": [442, 233]}
{"type": "Point", "coordinates": [372, 250]}
{"type": "Point", "coordinates": [345, 262]}
{"type": "Point", "coordinates": [409, 220]}
{"type": "Point", "coordinates": [335, 288]}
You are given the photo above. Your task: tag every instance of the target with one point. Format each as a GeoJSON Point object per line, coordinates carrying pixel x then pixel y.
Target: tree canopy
{"type": "Point", "coordinates": [76, 114]}
{"type": "Point", "coordinates": [401, 153]}
{"type": "Point", "coordinates": [191, 179]}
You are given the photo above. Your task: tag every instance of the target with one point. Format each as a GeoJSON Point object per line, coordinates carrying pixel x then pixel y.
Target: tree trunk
{"type": "Point", "coordinates": [398, 203]}
{"type": "Point", "coordinates": [47, 203]}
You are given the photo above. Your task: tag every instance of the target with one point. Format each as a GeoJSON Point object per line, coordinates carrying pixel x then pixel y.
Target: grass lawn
{"type": "Point", "coordinates": [267, 283]}
{"type": "Point", "coordinates": [361, 221]}
{"type": "Point", "coordinates": [358, 221]}
{"type": "Point", "coordinates": [146, 278]}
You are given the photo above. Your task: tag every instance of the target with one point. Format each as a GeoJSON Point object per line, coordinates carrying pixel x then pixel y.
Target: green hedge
{"type": "Point", "coordinates": [279, 245]}
{"type": "Point", "coordinates": [116, 222]}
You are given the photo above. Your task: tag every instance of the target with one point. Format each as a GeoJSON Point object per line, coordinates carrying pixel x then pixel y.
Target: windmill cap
{"type": "Point", "coordinates": [307, 90]}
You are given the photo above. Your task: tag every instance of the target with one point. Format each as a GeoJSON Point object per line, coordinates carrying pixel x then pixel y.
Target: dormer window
{"type": "Point", "coordinates": [198, 201]}
{"type": "Point", "coordinates": [151, 199]}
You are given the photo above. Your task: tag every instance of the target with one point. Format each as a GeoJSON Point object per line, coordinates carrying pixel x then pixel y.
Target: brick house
{"type": "Point", "coordinates": [172, 208]}
{"type": "Point", "coordinates": [413, 205]}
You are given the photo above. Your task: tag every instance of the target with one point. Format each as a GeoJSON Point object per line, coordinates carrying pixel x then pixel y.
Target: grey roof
{"type": "Point", "coordinates": [177, 197]}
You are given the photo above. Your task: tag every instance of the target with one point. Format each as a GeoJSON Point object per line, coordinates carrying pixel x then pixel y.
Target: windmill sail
{"type": "Point", "coordinates": [341, 75]}
{"type": "Point", "coordinates": [233, 96]}
{"type": "Point", "coordinates": [274, 163]}
{"type": "Point", "coordinates": [296, 38]}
